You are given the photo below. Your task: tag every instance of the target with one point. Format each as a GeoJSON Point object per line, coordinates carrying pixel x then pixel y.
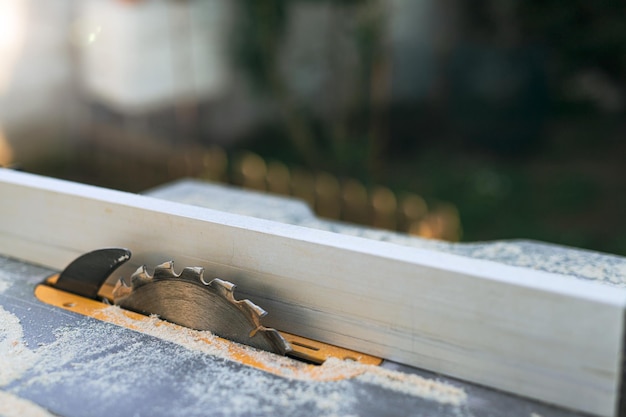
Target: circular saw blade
{"type": "Point", "coordinates": [191, 301]}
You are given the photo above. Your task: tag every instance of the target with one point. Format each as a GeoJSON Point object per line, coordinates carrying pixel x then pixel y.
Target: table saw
{"type": "Point", "coordinates": [394, 325]}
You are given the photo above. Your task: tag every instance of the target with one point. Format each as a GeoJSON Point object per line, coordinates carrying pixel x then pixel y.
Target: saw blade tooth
{"type": "Point", "coordinates": [139, 277]}
{"type": "Point", "coordinates": [252, 309]}
{"type": "Point", "coordinates": [121, 289]}
{"type": "Point", "coordinates": [254, 331]}
{"type": "Point", "coordinates": [225, 288]}
{"type": "Point", "coordinates": [281, 345]}
{"type": "Point", "coordinates": [165, 270]}
{"type": "Point", "coordinates": [193, 273]}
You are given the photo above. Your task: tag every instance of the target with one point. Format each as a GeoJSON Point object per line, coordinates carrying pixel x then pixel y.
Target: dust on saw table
{"type": "Point", "coordinates": [54, 362]}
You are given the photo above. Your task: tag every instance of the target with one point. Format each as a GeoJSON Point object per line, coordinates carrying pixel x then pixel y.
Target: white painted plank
{"type": "Point", "coordinates": [546, 336]}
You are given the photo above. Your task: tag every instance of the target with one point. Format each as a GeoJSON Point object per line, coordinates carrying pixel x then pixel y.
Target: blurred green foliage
{"type": "Point", "coordinates": [543, 164]}
{"type": "Point", "coordinates": [350, 142]}
{"type": "Point", "coordinates": [579, 33]}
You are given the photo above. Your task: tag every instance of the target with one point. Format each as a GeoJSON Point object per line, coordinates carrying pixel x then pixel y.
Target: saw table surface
{"type": "Point", "coordinates": [54, 362]}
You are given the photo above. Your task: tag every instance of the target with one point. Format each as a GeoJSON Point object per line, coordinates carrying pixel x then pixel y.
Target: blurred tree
{"type": "Point", "coordinates": [346, 137]}
{"type": "Point", "coordinates": [581, 36]}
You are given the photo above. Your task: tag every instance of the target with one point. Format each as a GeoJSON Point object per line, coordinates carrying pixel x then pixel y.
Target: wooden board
{"type": "Point", "coordinates": [553, 338]}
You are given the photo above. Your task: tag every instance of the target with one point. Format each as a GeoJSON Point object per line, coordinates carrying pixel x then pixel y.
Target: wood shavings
{"type": "Point", "coordinates": [413, 385]}
{"type": "Point", "coordinates": [13, 406]}
{"type": "Point", "coordinates": [15, 357]}
{"type": "Point", "coordinates": [332, 369]}
{"type": "Point", "coordinates": [93, 357]}
{"type": "Point", "coordinates": [118, 366]}
{"type": "Point", "coordinates": [200, 341]}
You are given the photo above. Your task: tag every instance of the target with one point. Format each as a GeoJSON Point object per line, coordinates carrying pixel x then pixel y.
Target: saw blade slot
{"type": "Point", "coordinates": [306, 354]}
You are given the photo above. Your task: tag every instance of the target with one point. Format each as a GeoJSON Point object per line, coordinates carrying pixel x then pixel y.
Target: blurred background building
{"type": "Point", "coordinates": [505, 117]}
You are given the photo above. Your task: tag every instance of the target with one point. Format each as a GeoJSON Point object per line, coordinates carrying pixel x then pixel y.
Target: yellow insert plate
{"type": "Point", "coordinates": [303, 348]}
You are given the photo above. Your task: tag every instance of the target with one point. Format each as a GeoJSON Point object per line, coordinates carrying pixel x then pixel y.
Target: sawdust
{"type": "Point", "coordinates": [16, 357]}
{"type": "Point", "coordinates": [90, 357]}
{"type": "Point", "coordinates": [115, 364]}
{"type": "Point", "coordinates": [332, 369]}
{"type": "Point", "coordinates": [582, 264]}
{"type": "Point", "coordinates": [414, 385]}
{"type": "Point", "coordinates": [200, 341]}
{"type": "Point", "coordinates": [13, 406]}
{"type": "Point", "coordinates": [5, 279]}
